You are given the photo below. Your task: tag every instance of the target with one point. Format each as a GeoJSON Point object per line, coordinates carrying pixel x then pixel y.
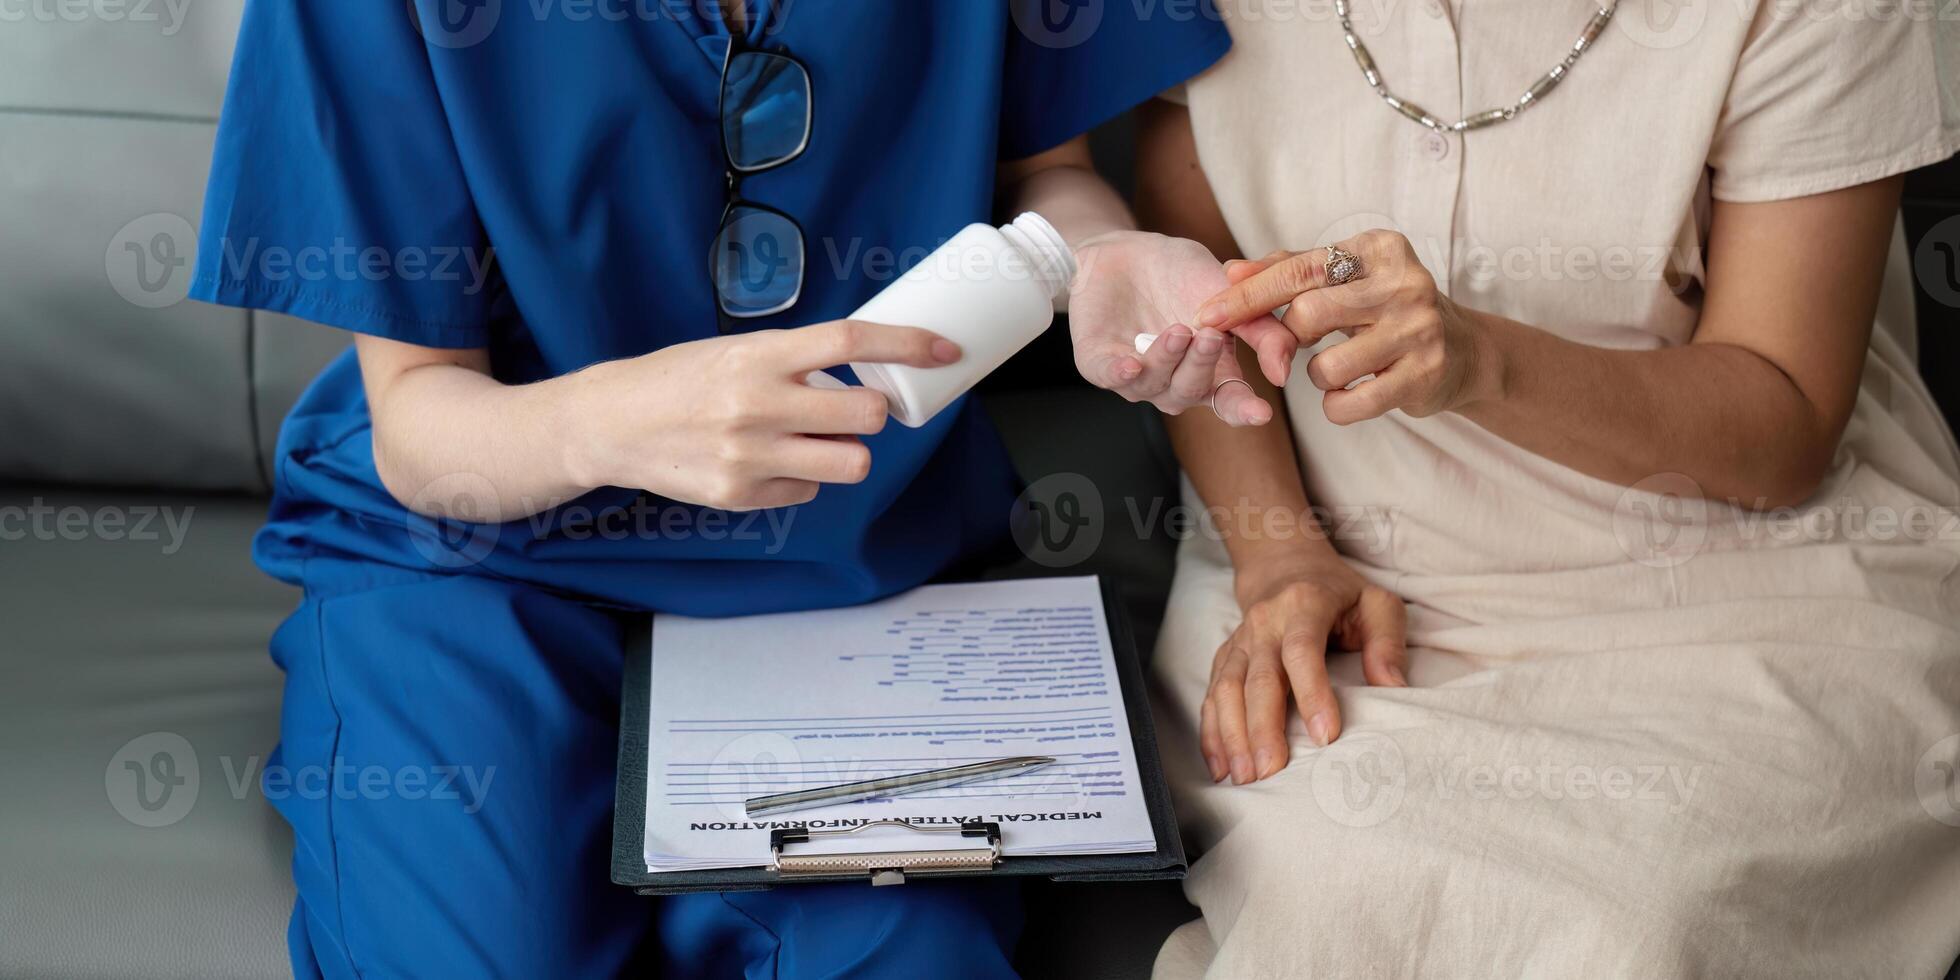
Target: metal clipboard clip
{"type": "Point", "coordinates": [884, 867]}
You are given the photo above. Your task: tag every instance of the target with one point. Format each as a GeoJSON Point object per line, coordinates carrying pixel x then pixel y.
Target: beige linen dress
{"type": "Point", "coordinates": [1648, 736]}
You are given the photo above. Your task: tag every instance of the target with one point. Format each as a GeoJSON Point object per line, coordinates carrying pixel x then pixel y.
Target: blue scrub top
{"type": "Point", "coordinates": [370, 162]}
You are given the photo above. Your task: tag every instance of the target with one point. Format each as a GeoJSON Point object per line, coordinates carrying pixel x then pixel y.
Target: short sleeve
{"type": "Point", "coordinates": [336, 192]}
{"type": "Point", "coordinates": [1074, 66]}
{"type": "Point", "coordinates": [1822, 103]}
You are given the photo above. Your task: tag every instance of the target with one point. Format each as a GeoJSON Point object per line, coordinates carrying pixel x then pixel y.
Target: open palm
{"type": "Point", "coordinates": [1135, 283]}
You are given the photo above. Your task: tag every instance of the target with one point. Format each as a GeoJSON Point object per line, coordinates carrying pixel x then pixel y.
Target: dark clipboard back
{"type": "Point", "coordinates": [629, 804]}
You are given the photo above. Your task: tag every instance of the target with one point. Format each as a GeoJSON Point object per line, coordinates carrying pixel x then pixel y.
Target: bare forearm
{"type": "Point", "coordinates": [452, 441]}
{"type": "Point", "coordinates": [1753, 408]}
{"type": "Point", "coordinates": [1721, 415]}
{"type": "Point", "coordinates": [1250, 471]}
{"type": "Point", "coordinates": [1062, 185]}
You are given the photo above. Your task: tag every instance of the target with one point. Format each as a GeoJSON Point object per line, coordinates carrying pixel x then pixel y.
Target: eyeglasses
{"type": "Point", "coordinates": [758, 256]}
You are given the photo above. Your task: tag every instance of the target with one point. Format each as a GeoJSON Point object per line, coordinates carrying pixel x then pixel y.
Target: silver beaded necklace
{"type": "Point", "coordinates": [1532, 96]}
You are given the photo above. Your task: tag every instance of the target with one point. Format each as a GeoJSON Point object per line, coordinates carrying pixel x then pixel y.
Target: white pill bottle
{"type": "Point", "coordinates": [990, 290]}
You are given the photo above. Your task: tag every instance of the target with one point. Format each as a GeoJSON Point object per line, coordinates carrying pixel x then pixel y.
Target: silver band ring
{"type": "Point", "coordinates": [1221, 387]}
{"type": "Point", "coordinates": [1343, 266]}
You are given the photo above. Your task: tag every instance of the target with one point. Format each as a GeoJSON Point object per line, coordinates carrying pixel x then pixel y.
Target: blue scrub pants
{"type": "Point", "coordinates": [446, 761]}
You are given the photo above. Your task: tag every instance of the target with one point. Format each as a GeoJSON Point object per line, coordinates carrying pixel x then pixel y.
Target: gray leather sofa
{"type": "Point", "coordinates": [136, 697]}
{"type": "Point", "coordinates": [131, 611]}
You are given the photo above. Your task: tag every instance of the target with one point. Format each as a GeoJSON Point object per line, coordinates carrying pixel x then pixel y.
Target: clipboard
{"type": "Point", "coordinates": [790, 857]}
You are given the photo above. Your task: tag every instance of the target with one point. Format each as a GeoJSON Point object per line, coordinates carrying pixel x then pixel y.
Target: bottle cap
{"type": "Point", "coordinates": [1047, 252]}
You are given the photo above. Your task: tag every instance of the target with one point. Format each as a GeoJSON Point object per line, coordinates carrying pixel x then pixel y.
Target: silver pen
{"type": "Point", "coordinates": [871, 789]}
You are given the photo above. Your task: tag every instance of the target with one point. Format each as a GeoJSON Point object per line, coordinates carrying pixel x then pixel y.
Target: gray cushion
{"type": "Point", "coordinates": [139, 60]}
{"type": "Point", "coordinates": [107, 376]}
{"type": "Point", "coordinates": [119, 646]}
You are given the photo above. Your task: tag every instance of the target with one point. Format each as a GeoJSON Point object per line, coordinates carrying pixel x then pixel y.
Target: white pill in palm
{"type": "Point", "coordinates": [1144, 342]}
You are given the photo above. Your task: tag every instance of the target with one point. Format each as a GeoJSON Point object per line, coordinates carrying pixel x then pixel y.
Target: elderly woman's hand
{"type": "Point", "coordinates": [1294, 611]}
{"type": "Point", "coordinates": [1426, 354]}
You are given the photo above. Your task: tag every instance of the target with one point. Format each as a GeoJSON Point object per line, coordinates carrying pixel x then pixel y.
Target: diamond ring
{"type": "Point", "coordinates": [1343, 266]}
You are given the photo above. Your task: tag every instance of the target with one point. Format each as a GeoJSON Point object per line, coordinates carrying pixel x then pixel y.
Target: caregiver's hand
{"type": "Point", "coordinates": [729, 423]}
{"type": "Point", "coordinates": [1427, 354]}
{"type": "Point", "coordinates": [1134, 283]}
{"type": "Point", "coordinates": [1292, 610]}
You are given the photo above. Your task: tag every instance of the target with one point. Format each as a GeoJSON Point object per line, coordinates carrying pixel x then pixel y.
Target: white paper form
{"type": "Point", "coordinates": [945, 675]}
